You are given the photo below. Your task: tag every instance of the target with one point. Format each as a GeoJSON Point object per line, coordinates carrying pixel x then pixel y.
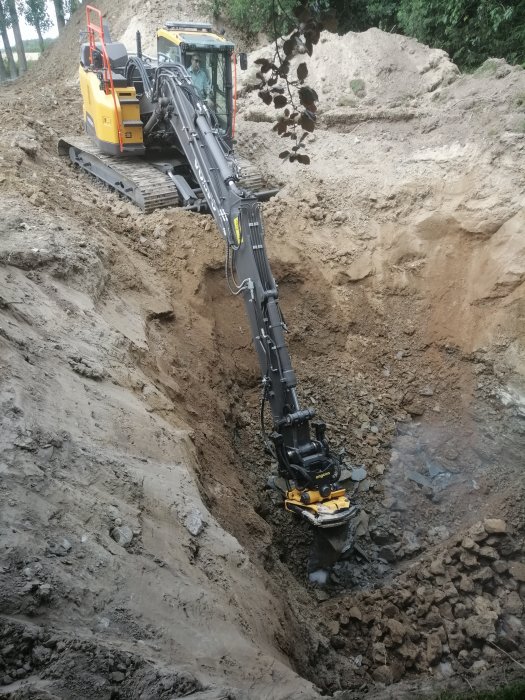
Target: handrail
{"type": "Point", "coordinates": [94, 28]}
{"type": "Point", "coordinates": [234, 115]}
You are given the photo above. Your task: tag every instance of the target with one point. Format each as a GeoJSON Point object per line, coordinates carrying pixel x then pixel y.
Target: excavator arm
{"type": "Point", "coordinates": [309, 470]}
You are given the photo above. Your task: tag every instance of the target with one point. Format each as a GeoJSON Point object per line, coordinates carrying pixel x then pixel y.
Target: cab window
{"type": "Point", "coordinates": [167, 51]}
{"type": "Point", "coordinates": [214, 65]}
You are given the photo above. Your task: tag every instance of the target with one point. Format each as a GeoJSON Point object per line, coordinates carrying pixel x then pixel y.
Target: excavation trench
{"type": "Point", "coordinates": [143, 556]}
{"type": "Point", "coordinates": [421, 414]}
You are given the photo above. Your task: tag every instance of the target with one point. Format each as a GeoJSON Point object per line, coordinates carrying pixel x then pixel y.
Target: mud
{"type": "Point", "coordinates": [141, 554]}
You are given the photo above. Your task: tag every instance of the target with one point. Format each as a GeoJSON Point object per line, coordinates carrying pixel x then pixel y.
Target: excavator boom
{"type": "Point", "coordinates": [174, 114]}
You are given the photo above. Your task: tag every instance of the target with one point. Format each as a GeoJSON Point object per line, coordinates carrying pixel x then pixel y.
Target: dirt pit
{"type": "Point", "coordinates": [142, 556]}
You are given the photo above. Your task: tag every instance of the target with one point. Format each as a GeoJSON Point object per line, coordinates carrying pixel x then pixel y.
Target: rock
{"type": "Point", "coordinates": [434, 648]}
{"type": "Point", "coordinates": [40, 654]}
{"type": "Point", "coordinates": [383, 674]}
{"type": "Point", "coordinates": [338, 642]}
{"type": "Point", "coordinates": [416, 409]}
{"type": "Point", "coordinates": [6, 680]}
{"type": "Point", "coordinates": [494, 526]}
{"type": "Point", "coordinates": [445, 610]}
{"type": "Point", "coordinates": [445, 670]}
{"type": "Point", "coordinates": [468, 559]}
{"type": "Point", "coordinates": [438, 534]}
{"type": "Point", "coordinates": [477, 532]}
{"type": "Point", "coordinates": [117, 676]}
{"type": "Point", "coordinates": [468, 543]}
{"type": "Point", "coordinates": [410, 543]}
{"type": "Point", "coordinates": [507, 547]}
{"type": "Point", "coordinates": [86, 368]}
{"type": "Point", "coordinates": [355, 614]}
{"type": "Point", "coordinates": [479, 626]}
{"type": "Point", "coordinates": [517, 570]}
{"type": "Point", "coordinates": [488, 553]}
{"type": "Point", "coordinates": [456, 641]}
{"type": "Point", "coordinates": [426, 391]}
{"type": "Point", "coordinates": [483, 575]}
{"type": "Point", "coordinates": [122, 535]}
{"type": "Point", "coordinates": [358, 474]}
{"type": "Point", "coordinates": [44, 591]}
{"type": "Point", "coordinates": [437, 568]}
{"type": "Point", "coordinates": [479, 666]}
{"type": "Point", "coordinates": [29, 146]}
{"type": "Point", "coordinates": [488, 608]}
{"type": "Point", "coordinates": [194, 523]}
{"type": "Point", "coordinates": [513, 604]}
{"type": "Point", "coordinates": [500, 566]}
{"type": "Point", "coordinates": [379, 652]}
{"type": "Point", "coordinates": [466, 585]}
{"type": "Point", "coordinates": [397, 630]}
{"type": "Point", "coordinates": [381, 535]}
{"type": "Point", "coordinates": [387, 553]}
{"type": "Point", "coordinates": [408, 650]}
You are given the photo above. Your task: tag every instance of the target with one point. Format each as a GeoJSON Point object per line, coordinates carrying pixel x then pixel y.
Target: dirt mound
{"type": "Point", "coordinates": [137, 534]}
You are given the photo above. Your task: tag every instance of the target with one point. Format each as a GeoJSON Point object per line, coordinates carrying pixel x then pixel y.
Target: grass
{"type": "Point", "coordinates": [357, 85]}
{"type": "Point", "coordinates": [346, 101]}
{"type": "Point", "coordinates": [488, 67]}
{"type": "Point", "coordinates": [519, 101]}
{"type": "Point", "coordinates": [514, 691]}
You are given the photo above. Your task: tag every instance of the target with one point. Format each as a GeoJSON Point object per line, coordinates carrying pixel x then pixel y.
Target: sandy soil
{"type": "Point", "coordinates": [141, 556]}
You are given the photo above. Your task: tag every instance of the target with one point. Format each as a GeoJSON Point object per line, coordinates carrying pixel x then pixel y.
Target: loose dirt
{"type": "Point", "coordinates": [141, 555]}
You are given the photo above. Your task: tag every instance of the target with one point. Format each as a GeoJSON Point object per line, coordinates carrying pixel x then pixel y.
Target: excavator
{"type": "Point", "coordinates": [153, 136]}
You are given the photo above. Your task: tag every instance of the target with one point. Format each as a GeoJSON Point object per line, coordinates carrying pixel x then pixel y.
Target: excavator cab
{"type": "Point", "coordinates": [208, 58]}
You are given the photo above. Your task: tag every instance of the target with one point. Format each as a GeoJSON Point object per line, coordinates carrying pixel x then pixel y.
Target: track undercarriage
{"type": "Point", "coordinates": [149, 182]}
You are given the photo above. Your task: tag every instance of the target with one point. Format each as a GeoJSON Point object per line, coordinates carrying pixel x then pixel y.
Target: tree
{"type": "Point", "coordinates": [469, 30]}
{"type": "Point", "coordinates": [3, 71]}
{"type": "Point", "coordinates": [4, 23]}
{"type": "Point", "coordinates": [13, 17]}
{"type": "Point", "coordinates": [60, 14]}
{"type": "Point", "coordinates": [35, 13]}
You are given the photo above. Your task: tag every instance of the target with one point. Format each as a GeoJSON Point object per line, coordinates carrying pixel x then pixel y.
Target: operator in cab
{"type": "Point", "coordinates": [199, 77]}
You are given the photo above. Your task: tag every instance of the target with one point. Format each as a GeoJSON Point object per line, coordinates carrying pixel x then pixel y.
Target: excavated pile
{"type": "Point", "coordinates": [451, 614]}
{"type": "Point", "coordinates": [141, 556]}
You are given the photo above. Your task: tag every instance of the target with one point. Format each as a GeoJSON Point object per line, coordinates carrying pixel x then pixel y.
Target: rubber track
{"type": "Point", "coordinates": [157, 189]}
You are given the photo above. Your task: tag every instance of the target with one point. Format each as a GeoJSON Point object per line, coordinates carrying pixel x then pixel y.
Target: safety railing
{"type": "Point", "coordinates": [95, 28]}
{"type": "Point", "coordinates": [234, 115]}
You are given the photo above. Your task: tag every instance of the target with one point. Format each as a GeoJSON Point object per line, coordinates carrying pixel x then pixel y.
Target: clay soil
{"type": "Point", "coordinates": [141, 554]}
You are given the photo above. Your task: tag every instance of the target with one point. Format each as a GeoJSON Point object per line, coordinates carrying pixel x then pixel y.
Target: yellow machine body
{"type": "Point", "coordinates": [182, 36]}
{"type": "Point", "coordinates": [325, 512]}
{"type": "Point", "coordinates": [102, 121]}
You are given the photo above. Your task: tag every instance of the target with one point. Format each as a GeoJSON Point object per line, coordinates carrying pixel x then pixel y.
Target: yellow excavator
{"type": "Point", "coordinates": [160, 132]}
{"type": "Point", "coordinates": [127, 118]}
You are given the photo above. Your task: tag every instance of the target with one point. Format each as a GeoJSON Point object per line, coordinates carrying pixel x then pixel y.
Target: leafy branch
{"type": "Point", "coordinates": [291, 94]}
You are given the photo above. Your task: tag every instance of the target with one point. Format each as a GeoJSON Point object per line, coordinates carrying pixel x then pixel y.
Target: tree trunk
{"type": "Point", "coordinates": [40, 38]}
{"type": "Point", "coordinates": [3, 72]}
{"type": "Point", "coordinates": [7, 46]}
{"type": "Point", "coordinates": [22, 63]}
{"type": "Point", "coordinates": [59, 12]}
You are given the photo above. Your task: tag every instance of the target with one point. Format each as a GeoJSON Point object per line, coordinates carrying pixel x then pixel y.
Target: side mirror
{"type": "Point", "coordinates": [243, 60]}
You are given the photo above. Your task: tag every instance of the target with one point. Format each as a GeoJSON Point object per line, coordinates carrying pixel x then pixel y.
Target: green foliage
{"type": "Point", "coordinates": [35, 13]}
{"type": "Point", "coordinates": [515, 691]}
{"type": "Point", "coordinates": [469, 30]}
{"type": "Point", "coordinates": [274, 17]}
{"type": "Point", "coordinates": [33, 46]}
